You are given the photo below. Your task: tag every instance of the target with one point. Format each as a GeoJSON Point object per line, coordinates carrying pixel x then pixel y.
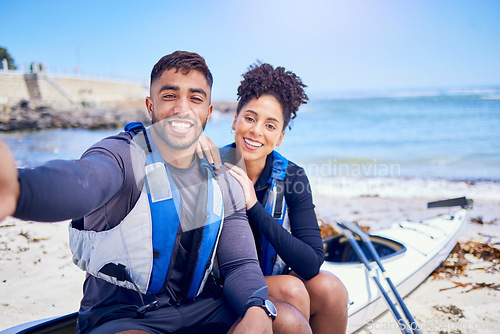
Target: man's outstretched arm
{"type": "Point", "coordinates": [9, 184]}
{"type": "Point", "coordinates": [62, 189]}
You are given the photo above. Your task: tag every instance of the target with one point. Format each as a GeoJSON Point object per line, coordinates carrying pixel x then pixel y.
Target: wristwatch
{"type": "Point", "coordinates": [270, 309]}
{"type": "Point", "coordinates": [267, 305]}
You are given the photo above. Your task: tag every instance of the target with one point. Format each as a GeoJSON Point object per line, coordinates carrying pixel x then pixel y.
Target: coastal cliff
{"type": "Point", "coordinates": [29, 116]}
{"type": "Point", "coordinates": [35, 116]}
{"type": "Point", "coordinates": [36, 101]}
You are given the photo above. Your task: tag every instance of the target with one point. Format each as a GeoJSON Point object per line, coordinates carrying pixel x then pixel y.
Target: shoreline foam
{"type": "Point", "coordinates": [402, 187]}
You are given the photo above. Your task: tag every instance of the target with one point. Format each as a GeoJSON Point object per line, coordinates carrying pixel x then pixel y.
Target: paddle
{"type": "Point", "coordinates": [359, 252]}
{"type": "Point", "coordinates": [463, 202]}
{"type": "Point", "coordinates": [366, 240]}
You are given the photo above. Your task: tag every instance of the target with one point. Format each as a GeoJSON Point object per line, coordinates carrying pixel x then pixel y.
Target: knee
{"type": "Point", "coordinates": [293, 324]}
{"type": "Point", "coordinates": [294, 292]}
{"type": "Point", "coordinates": [329, 289]}
{"type": "Point", "coordinates": [290, 320]}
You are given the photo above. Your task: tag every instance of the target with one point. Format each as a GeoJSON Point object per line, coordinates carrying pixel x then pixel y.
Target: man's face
{"type": "Point", "coordinates": [179, 107]}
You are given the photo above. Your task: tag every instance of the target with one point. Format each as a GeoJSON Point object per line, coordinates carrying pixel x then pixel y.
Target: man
{"type": "Point", "coordinates": [149, 219]}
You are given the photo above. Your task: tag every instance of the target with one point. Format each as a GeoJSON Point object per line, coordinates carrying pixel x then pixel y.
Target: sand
{"type": "Point", "coordinates": [37, 277]}
{"type": "Point", "coordinates": [452, 311]}
{"type": "Point", "coordinates": [39, 280]}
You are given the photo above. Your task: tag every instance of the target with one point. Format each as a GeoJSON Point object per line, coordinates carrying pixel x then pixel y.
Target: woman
{"type": "Point", "coordinates": [279, 201]}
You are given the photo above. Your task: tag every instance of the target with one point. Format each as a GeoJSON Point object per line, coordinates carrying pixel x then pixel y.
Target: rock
{"type": "Point", "coordinates": [33, 116]}
{"type": "Point", "coordinates": [225, 106]}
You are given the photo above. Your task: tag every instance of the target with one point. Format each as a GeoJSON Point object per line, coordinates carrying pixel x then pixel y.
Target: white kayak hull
{"type": "Point", "coordinates": [428, 243]}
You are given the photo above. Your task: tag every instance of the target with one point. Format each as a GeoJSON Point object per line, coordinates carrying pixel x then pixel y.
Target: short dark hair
{"type": "Point", "coordinates": [285, 86]}
{"type": "Point", "coordinates": [184, 61]}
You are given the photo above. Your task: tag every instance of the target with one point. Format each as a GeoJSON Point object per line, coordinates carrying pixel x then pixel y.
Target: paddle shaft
{"type": "Point", "coordinates": [357, 249]}
{"type": "Point", "coordinates": [463, 202]}
{"type": "Point", "coordinates": [366, 239]}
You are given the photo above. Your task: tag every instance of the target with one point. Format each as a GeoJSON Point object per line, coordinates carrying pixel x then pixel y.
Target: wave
{"type": "Point", "coordinates": [404, 188]}
{"type": "Point", "coordinates": [487, 92]}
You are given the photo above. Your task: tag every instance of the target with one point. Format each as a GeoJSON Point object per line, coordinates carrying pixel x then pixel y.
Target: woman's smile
{"type": "Point", "coordinates": [251, 144]}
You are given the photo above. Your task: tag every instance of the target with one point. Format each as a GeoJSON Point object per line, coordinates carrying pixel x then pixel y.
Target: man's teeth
{"type": "Point", "coordinates": [252, 143]}
{"type": "Point", "coordinates": [181, 125]}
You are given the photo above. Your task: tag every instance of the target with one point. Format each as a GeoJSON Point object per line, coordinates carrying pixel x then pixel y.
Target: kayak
{"type": "Point", "coordinates": [65, 324]}
{"type": "Point", "coordinates": [410, 251]}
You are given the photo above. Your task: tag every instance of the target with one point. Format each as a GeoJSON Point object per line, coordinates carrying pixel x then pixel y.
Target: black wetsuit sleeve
{"type": "Point", "coordinates": [302, 249]}
{"type": "Point", "coordinates": [244, 282]}
{"type": "Point", "coordinates": [69, 189]}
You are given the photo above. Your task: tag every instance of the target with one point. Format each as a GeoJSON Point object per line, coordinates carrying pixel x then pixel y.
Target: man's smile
{"type": "Point", "coordinates": [181, 125]}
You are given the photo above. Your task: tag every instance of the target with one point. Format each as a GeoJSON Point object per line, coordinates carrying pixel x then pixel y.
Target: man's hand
{"type": "Point", "coordinates": [9, 184]}
{"type": "Point", "coordinates": [255, 321]}
{"type": "Point", "coordinates": [207, 147]}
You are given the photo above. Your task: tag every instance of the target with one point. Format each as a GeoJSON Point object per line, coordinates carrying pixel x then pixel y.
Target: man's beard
{"type": "Point", "coordinates": [177, 141]}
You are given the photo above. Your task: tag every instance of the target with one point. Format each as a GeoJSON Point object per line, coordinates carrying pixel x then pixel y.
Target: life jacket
{"type": "Point", "coordinates": [275, 205]}
{"type": "Point", "coordinates": [139, 252]}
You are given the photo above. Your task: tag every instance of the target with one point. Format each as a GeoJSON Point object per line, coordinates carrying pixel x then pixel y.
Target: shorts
{"type": "Point", "coordinates": [204, 315]}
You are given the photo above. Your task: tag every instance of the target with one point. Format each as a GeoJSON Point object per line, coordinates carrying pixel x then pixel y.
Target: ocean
{"type": "Point", "coordinates": [448, 134]}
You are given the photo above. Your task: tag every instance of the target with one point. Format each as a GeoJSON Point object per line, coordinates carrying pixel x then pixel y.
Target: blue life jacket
{"type": "Point", "coordinates": [275, 205]}
{"type": "Point", "coordinates": [139, 253]}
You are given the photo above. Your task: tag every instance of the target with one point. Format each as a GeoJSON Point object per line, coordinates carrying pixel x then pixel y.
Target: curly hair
{"type": "Point", "coordinates": [285, 86]}
{"type": "Point", "coordinates": [183, 60]}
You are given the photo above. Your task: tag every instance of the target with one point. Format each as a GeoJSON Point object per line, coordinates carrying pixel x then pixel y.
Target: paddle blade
{"type": "Point", "coordinates": [465, 203]}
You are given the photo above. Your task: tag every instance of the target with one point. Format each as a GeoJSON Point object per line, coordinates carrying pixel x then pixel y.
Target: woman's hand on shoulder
{"type": "Point", "coordinates": [247, 184]}
{"type": "Point", "coordinates": [205, 146]}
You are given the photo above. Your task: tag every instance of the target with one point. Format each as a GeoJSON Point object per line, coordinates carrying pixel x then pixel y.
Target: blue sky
{"type": "Point", "coordinates": [335, 46]}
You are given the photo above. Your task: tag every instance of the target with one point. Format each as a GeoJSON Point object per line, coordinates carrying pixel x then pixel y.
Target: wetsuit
{"type": "Point", "coordinates": [302, 249]}
{"type": "Point", "coordinates": [102, 187]}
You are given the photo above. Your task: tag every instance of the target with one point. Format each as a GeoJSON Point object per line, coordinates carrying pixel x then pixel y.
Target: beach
{"type": "Point", "coordinates": [37, 276]}
{"type": "Point", "coordinates": [39, 280]}
{"type": "Point", "coordinates": [376, 160]}
{"type": "Point", "coordinates": [455, 309]}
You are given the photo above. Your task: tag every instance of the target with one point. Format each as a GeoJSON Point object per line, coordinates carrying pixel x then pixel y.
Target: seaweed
{"type": "Point", "coordinates": [30, 238]}
{"type": "Point", "coordinates": [482, 250]}
{"type": "Point", "coordinates": [473, 286]}
{"type": "Point", "coordinates": [479, 220]}
{"type": "Point", "coordinates": [456, 264]}
{"type": "Point", "coordinates": [452, 309]}
{"type": "Point", "coordinates": [327, 231]}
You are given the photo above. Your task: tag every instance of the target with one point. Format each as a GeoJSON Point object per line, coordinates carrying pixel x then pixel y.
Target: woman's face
{"type": "Point", "coordinates": [259, 128]}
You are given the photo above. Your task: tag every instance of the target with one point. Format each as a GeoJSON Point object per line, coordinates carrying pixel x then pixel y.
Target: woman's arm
{"type": "Point", "coordinates": [302, 249]}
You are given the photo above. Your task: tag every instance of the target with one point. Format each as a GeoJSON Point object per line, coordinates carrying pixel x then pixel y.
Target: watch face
{"type": "Point", "coordinates": [271, 308]}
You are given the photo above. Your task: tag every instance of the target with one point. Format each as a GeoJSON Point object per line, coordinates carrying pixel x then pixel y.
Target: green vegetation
{"type": "Point", "coordinates": [10, 61]}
